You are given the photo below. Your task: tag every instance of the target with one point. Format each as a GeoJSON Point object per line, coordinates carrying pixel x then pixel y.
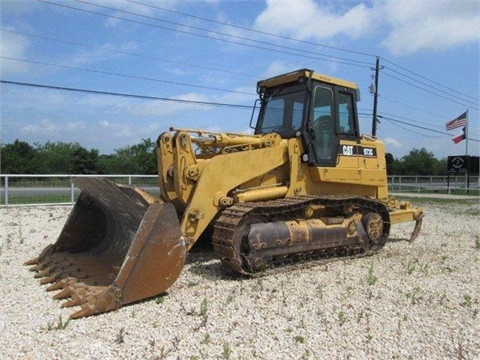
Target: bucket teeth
{"type": "Point", "coordinates": [49, 279]}
{"type": "Point", "coordinates": [36, 268]}
{"type": "Point", "coordinates": [72, 303]}
{"type": "Point", "coordinates": [56, 286]}
{"type": "Point", "coordinates": [65, 293]}
{"type": "Point", "coordinates": [87, 311]}
{"type": "Point", "coordinates": [113, 244]}
{"type": "Point", "coordinates": [31, 262]}
{"type": "Point", "coordinates": [43, 273]}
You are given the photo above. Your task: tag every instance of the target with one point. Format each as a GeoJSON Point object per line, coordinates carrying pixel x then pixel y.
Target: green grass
{"type": "Point", "coordinates": [372, 279]}
{"type": "Point", "coordinates": [120, 338]}
{"type": "Point", "coordinates": [61, 325]}
{"type": "Point", "coordinates": [37, 199]}
{"type": "Point", "coordinates": [472, 192]}
{"type": "Point", "coordinates": [427, 200]}
{"type": "Point", "coordinates": [204, 307]}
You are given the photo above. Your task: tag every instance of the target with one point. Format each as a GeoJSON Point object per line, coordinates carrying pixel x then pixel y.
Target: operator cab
{"type": "Point", "coordinates": [319, 108]}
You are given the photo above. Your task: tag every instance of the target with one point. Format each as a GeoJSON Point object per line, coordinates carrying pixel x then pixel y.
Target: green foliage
{"type": "Point", "coordinates": [61, 325]}
{"type": "Point", "coordinates": [417, 162]}
{"type": "Point", "coordinates": [204, 307]}
{"type": "Point", "coordinates": [227, 351]}
{"type": "Point", "coordinates": [71, 158]}
{"type": "Point", "coordinates": [84, 161]}
{"type": "Point", "coordinates": [120, 338]}
{"type": "Point", "coordinates": [468, 300]}
{"type": "Point", "coordinates": [18, 158]}
{"type": "Point", "coordinates": [136, 159]}
{"type": "Point", "coordinates": [65, 158]}
{"type": "Point", "coordinates": [372, 279]}
{"type": "Point", "coordinates": [299, 339]}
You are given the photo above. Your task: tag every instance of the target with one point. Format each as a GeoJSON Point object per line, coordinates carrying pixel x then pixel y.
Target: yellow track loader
{"type": "Point", "coordinates": [306, 187]}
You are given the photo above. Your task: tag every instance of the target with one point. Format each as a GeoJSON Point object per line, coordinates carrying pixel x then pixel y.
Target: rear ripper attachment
{"type": "Point", "coordinates": [119, 245]}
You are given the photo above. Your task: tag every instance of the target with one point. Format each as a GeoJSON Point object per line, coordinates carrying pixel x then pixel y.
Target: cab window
{"type": "Point", "coordinates": [323, 125]}
{"type": "Point", "coordinates": [346, 125]}
{"type": "Point", "coordinates": [283, 114]}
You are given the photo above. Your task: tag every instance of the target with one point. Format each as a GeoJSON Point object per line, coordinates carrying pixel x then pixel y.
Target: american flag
{"type": "Point", "coordinates": [458, 122]}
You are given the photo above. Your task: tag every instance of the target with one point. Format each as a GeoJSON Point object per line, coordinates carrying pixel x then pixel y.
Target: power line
{"type": "Point", "coordinates": [420, 127]}
{"type": "Point", "coordinates": [312, 43]}
{"type": "Point", "coordinates": [250, 29]}
{"type": "Point", "coordinates": [350, 62]}
{"type": "Point", "coordinates": [415, 108]}
{"type": "Point", "coordinates": [429, 91]}
{"type": "Point", "coordinates": [425, 78]}
{"type": "Point", "coordinates": [147, 97]}
{"type": "Point", "coordinates": [416, 121]}
{"type": "Point", "coordinates": [319, 56]}
{"type": "Point", "coordinates": [437, 89]}
{"type": "Point", "coordinates": [205, 103]}
{"type": "Point", "coordinates": [124, 75]}
{"type": "Point", "coordinates": [221, 33]}
{"type": "Point", "coordinates": [408, 130]}
{"type": "Point", "coordinates": [73, 43]}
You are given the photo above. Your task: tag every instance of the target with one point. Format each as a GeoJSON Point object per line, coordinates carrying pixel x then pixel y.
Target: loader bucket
{"type": "Point", "coordinates": [118, 246]}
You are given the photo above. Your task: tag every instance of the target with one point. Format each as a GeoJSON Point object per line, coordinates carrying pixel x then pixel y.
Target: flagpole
{"type": "Point", "coordinates": [466, 136]}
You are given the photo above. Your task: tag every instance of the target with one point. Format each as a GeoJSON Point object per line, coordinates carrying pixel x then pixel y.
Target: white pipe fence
{"type": "Point", "coordinates": [58, 189]}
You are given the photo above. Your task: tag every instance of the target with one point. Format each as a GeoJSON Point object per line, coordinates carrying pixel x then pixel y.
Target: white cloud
{"type": "Point", "coordinates": [128, 7]}
{"type": "Point", "coordinates": [277, 68]}
{"type": "Point", "coordinates": [75, 125]}
{"type": "Point", "coordinates": [166, 108]}
{"type": "Point", "coordinates": [12, 46]}
{"type": "Point", "coordinates": [392, 142]}
{"type": "Point", "coordinates": [431, 25]}
{"type": "Point", "coordinates": [45, 126]}
{"type": "Point", "coordinates": [308, 19]}
{"type": "Point", "coordinates": [406, 26]}
{"type": "Point", "coordinates": [105, 52]}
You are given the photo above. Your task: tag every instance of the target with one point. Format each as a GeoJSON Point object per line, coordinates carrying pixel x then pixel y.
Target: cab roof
{"type": "Point", "coordinates": [296, 75]}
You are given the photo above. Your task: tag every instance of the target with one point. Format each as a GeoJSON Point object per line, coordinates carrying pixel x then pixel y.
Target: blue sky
{"type": "Point", "coordinates": [215, 51]}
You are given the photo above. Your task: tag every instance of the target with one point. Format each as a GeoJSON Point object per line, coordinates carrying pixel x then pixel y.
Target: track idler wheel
{"type": "Point", "coordinates": [373, 225]}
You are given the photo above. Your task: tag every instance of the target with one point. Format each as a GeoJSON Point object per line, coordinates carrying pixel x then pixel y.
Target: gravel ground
{"type": "Point", "coordinates": [419, 300]}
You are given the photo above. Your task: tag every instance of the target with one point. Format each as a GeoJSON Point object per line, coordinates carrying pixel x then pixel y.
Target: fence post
{"type": "Point", "coordinates": [6, 190]}
{"type": "Point", "coordinates": [72, 192]}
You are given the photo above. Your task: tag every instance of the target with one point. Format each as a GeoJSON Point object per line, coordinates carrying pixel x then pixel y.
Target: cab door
{"type": "Point", "coordinates": [324, 141]}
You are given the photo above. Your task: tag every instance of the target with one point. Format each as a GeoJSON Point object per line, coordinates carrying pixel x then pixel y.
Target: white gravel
{"type": "Point", "coordinates": [419, 300]}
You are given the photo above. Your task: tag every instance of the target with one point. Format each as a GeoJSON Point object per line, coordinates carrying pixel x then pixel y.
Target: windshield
{"type": "Point", "coordinates": [282, 114]}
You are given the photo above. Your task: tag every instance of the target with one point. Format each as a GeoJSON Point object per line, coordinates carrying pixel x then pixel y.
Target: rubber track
{"type": "Point", "coordinates": [287, 209]}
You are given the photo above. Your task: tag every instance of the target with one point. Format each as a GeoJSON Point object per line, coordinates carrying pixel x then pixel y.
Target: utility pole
{"type": "Point", "coordinates": [375, 98]}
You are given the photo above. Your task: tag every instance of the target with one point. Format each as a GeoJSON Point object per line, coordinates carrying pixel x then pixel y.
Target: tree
{"type": "Point", "coordinates": [84, 161]}
{"type": "Point", "coordinates": [135, 159]}
{"type": "Point", "coordinates": [419, 162]}
{"type": "Point", "coordinates": [66, 158]}
{"type": "Point", "coordinates": [18, 158]}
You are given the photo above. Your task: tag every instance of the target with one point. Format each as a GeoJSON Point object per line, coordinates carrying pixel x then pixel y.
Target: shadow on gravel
{"type": "Point", "coordinates": [202, 262]}
{"type": "Point", "coordinates": [395, 240]}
